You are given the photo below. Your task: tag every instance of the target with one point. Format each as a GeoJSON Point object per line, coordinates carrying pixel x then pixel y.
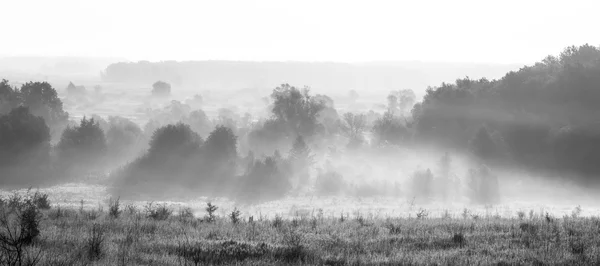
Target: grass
{"type": "Point", "coordinates": [151, 237]}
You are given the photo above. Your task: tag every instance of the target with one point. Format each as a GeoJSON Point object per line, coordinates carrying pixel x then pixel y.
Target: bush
{"type": "Point", "coordinates": [114, 208]}
{"type": "Point", "coordinates": [161, 89]}
{"type": "Point", "coordinates": [95, 242]}
{"type": "Point", "coordinates": [158, 212]}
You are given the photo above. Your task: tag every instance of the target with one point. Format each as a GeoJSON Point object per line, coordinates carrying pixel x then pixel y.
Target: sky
{"type": "Point", "coordinates": [507, 31]}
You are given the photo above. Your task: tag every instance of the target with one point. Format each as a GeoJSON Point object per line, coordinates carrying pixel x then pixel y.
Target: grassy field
{"type": "Point", "coordinates": [158, 235]}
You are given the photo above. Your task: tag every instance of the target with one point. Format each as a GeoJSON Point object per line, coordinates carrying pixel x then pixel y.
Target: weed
{"type": "Point", "coordinates": [114, 208]}
{"type": "Point", "coordinates": [158, 212]}
{"type": "Point", "coordinates": [277, 222]}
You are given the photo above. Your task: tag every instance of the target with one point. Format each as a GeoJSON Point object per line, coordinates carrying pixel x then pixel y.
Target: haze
{"type": "Point", "coordinates": [342, 31]}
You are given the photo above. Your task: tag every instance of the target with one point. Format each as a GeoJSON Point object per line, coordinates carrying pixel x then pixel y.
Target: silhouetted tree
{"type": "Point", "coordinates": [23, 137]}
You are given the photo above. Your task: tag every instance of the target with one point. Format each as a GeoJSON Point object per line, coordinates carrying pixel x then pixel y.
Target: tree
{"type": "Point", "coordinates": [177, 139]}
{"type": "Point", "coordinates": [23, 136]}
{"type": "Point", "coordinates": [263, 181]}
{"type": "Point", "coordinates": [483, 146]}
{"type": "Point", "coordinates": [83, 144]}
{"type": "Point", "coordinates": [161, 89]}
{"type": "Point", "coordinates": [123, 138]}
{"type": "Point", "coordinates": [199, 122]}
{"type": "Point", "coordinates": [353, 126]}
{"type": "Point", "coordinates": [296, 109]}
{"type": "Point", "coordinates": [43, 101]}
{"type": "Point", "coordinates": [390, 129]}
{"type": "Point", "coordinates": [221, 144]}
{"type": "Point", "coordinates": [9, 97]}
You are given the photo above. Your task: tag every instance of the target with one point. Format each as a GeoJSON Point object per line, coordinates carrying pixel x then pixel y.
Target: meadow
{"type": "Point", "coordinates": [119, 233]}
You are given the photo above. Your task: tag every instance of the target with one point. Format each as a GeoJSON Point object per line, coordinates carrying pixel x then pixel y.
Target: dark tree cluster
{"type": "Point", "coordinates": [541, 117]}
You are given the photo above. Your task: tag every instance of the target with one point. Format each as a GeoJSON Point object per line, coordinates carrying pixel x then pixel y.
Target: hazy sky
{"type": "Point", "coordinates": [514, 31]}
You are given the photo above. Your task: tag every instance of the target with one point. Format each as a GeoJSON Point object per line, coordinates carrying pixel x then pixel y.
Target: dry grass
{"type": "Point", "coordinates": [135, 238]}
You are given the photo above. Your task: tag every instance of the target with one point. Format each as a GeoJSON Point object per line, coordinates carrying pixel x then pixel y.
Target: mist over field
{"type": "Point", "coordinates": [283, 136]}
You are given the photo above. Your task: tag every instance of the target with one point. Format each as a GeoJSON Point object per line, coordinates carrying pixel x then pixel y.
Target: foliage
{"type": "Point", "coordinates": [353, 126]}
{"type": "Point", "coordinates": [43, 101]}
{"type": "Point", "coordinates": [390, 129]}
{"type": "Point", "coordinates": [296, 109]}
{"type": "Point", "coordinates": [529, 113]}
{"type": "Point", "coordinates": [83, 145]}
{"type": "Point", "coordinates": [24, 147]}
{"type": "Point", "coordinates": [264, 180]}
{"type": "Point", "coordinates": [123, 138]}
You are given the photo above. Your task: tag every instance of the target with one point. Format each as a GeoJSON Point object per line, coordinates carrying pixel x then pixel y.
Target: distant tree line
{"type": "Point", "coordinates": [542, 117]}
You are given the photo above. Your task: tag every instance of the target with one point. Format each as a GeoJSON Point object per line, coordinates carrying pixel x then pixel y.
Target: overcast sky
{"type": "Point", "coordinates": [513, 31]}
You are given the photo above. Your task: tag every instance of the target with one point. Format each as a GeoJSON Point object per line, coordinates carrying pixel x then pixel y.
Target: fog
{"type": "Point", "coordinates": [285, 137]}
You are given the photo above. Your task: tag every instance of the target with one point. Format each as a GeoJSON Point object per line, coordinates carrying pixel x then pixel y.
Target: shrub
{"type": "Point", "coordinates": [41, 201]}
{"type": "Point", "coordinates": [18, 230]}
{"type": "Point", "coordinates": [95, 242]}
{"type": "Point", "coordinates": [114, 208]}
{"type": "Point", "coordinates": [158, 212]}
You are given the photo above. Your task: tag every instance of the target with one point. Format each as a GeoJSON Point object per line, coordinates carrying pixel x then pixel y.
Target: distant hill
{"type": "Point", "coordinates": [371, 76]}
{"type": "Point", "coordinates": [24, 68]}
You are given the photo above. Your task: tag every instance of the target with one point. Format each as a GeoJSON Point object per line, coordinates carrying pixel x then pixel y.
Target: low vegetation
{"type": "Point", "coordinates": [30, 235]}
